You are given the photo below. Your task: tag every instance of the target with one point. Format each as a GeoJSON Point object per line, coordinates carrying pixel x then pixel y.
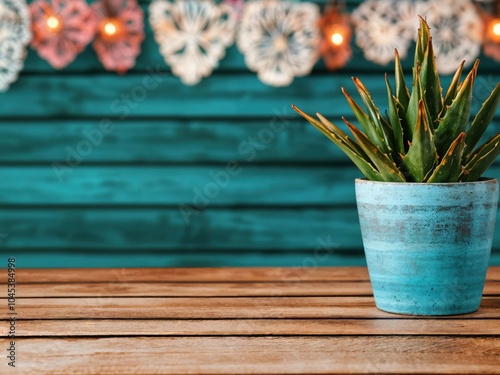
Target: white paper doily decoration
{"type": "Point", "coordinates": [409, 12]}
{"type": "Point", "coordinates": [15, 34]}
{"type": "Point", "coordinates": [279, 39]}
{"type": "Point", "coordinates": [385, 25]}
{"type": "Point", "coordinates": [193, 35]}
{"type": "Point", "coordinates": [456, 29]}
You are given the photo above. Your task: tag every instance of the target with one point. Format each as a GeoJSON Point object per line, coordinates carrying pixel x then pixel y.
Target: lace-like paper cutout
{"type": "Point", "coordinates": [280, 40]}
{"type": "Point", "coordinates": [15, 34]}
{"type": "Point", "coordinates": [456, 30]}
{"type": "Point", "coordinates": [193, 35]}
{"type": "Point", "coordinates": [385, 25]}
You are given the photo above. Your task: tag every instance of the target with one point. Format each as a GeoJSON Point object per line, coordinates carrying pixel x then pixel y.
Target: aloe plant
{"type": "Point", "coordinates": [424, 137]}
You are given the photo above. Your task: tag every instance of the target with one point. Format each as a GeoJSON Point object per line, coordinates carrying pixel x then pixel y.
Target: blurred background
{"type": "Point", "coordinates": [100, 169]}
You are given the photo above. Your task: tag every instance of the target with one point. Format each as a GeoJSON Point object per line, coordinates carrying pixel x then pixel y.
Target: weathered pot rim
{"type": "Point", "coordinates": [483, 180]}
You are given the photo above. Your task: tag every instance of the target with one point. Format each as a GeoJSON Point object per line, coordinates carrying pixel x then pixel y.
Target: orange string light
{"type": "Point", "coordinates": [110, 28]}
{"type": "Point", "coordinates": [53, 23]}
{"type": "Point", "coordinates": [494, 30]}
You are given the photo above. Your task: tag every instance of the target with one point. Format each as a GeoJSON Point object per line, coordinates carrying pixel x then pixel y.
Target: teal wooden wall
{"type": "Point", "coordinates": [290, 201]}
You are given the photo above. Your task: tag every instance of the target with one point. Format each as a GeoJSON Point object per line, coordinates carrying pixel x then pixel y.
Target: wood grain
{"type": "Point", "coordinates": [261, 326]}
{"type": "Point", "coordinates": [162, 229]}
{"type": "Point", "coordinates": [173, 141]}
{"type": "Point", "coordinates": [217, 307]}
{"type": "Point", "coordinates": [231, 95]}
{"type": "Point", "coordinates": [295, 275]}
{"type": "Point", "coordinates": [243, 327]}
{"type": "Point", "coordinates": [176, 185]}
{"type": "Point", "coordinates": [246, 289]}
{"type": "Point", "coordinates": [168, 141]}
{"type": "Point", "coordinates": [295, 355]}
{"type": "Point", "coordinates": [212, 275]}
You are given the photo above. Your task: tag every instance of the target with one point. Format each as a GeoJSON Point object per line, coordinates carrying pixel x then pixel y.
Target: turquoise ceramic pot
{"type": "Point", "coordinates": [427, 246]}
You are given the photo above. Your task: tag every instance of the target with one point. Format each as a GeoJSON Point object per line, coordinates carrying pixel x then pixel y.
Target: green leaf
{"type": "Point", "coordinates": [431, 86]}
{"type": "Point", "coordinates": [457, 116]}
{"type": "Point", "coordinates": [366, 123]}
{"type": "Point", "coordinates": [422, 42]}
{"type": "Point", "coordinates": [373, 113]}
{"type": "Point", "coordinates": [402, 92]}
{"type": "Point", "coordinates": [482, 120]}
{"type": "Point", "coordinates": [343, 136]}
{"type": "Point", "coordinates": [482, 159]}
{"type": "Point", "coordinates": [452, 90]}
{"type": "Point", "coordinates": [451, 164]}
{"type": "Point", "coordinates": [347, 145]}
{"type": "Point", "coordinates": [394, 119]}
{"type": "Point", "coordinates": [421, 156]}
{"type": "Point", "coordinates": [385, 166]}
{"type": "Point", "coordinates": [415, 98]}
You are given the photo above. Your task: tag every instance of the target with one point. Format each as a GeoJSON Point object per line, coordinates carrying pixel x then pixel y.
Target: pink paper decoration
{"type": "Point", "coordinates": [61, 29]}
{"type": "Point", "coordinates": [237, 6]}
{"type": "Point", "coordinates": [120, 33]}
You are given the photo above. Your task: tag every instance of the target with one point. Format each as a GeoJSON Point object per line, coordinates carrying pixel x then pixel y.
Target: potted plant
{"type": "Point", "coordinates": [427, 217]}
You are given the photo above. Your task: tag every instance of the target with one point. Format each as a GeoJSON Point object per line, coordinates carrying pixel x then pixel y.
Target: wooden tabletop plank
{"type": "Point", "coordinates": [270, 355]}
{"type": "Point", "coordinates": [169, 289]}
{"type": "Point", "coordinates": [288, 274]}
{"type": "Point", "coordinates": [151, 275]}
{"type": "Point", "coordinates": [217, 307]}
{"type": "Point", "coordinates": [229, 327]}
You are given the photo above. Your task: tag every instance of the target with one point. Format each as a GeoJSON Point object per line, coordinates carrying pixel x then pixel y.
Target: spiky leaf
{"type": "Point", "coordinates": [482, 120]}
{"type": "Point", "coordinates": [431, 85]}
{"type": "Point", "coordinates": [421, 156]}
{"type": "Point", "coordinates": [452, 90]}
{"type": "Point", "coordinates": [451, 164]}
{"type": "Point", "coordinates": [347, 145]}
{"type": "Point", "coordinates": [373, 113]}
{"type": "Point", "coordinates": [402, 92]}
{"type": "Point", "coordinates": [394, 119]}
{"type": "Point", "coordinates": [422, 42]}
{"type": "Point", "coordinates": [384, 165]}
{"type": "Point", "coordinates": [366, 123]}
{"type": "Point", "coordinates": [482, 159]}
{"type": "Point", "coordinates": [457, 116]}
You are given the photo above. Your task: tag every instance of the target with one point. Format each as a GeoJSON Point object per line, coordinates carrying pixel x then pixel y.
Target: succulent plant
{"type": "Point", "coordinates": [424, 137]}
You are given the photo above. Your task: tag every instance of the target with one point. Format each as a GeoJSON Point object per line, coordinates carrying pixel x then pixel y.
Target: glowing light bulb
{"type": "Point", "coordinates": [53, 23]}
{"type": "Point", "coordinates": [110, 28]}
{"type": "Point", "coordinates": [337, 39]}
{"type": "Point", "coordinates": [496, 28]}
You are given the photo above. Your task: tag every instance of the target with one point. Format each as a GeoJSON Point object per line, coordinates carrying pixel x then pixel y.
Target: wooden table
{"type": "Point", "coordinates": [235, 320]}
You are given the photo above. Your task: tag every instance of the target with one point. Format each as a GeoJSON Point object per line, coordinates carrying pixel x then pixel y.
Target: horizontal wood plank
{"type": "Point", "coordinates": [201, 290]}
{"type": "Point", "coordinates": [165, 229]}
{"type": "Point", "coordinates": [244, 327]}
{"type": "Point", "coordinates": [228, 184]}
{"type": "Point", "coordinates": [193, 186]}
{"type": "Point", "coordinates": [326, 232]}
{"type": "Point", "coordinates": [209, 355]}
{"type": "Point", "coordinates": [74, 258]}
{"type": "Point", "coordinates": [295, 275]}
{"type": "Point", "coordinates": [168, 141]}
{"type": "Point", "coordinates": [159, 94]}
{"type": "Point", "coordinates": [190, 275]}
{"type": "Point", "coordinates": [171, 141]}
{"type": "Point", "coordinates": [217, 307]}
